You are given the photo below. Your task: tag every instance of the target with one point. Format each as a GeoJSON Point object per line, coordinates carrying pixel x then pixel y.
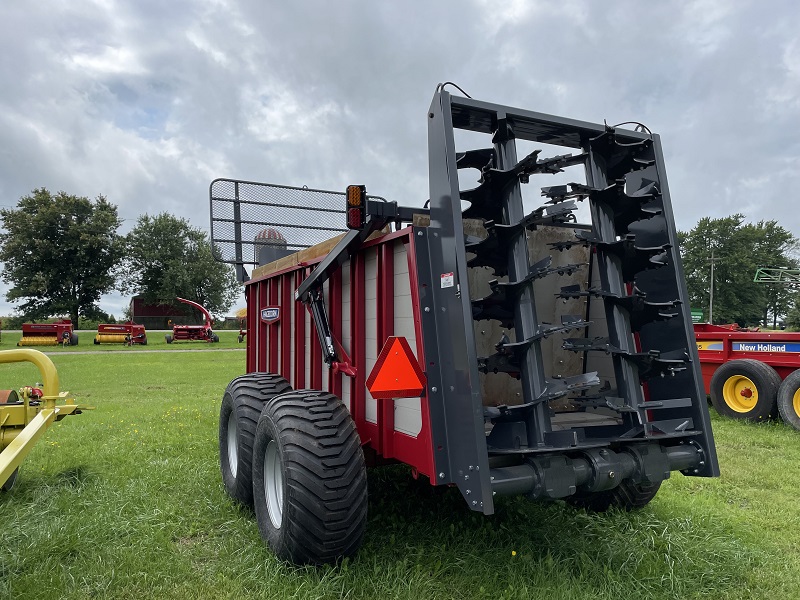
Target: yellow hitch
{"type": "Point", "coordinates": [24, 420]}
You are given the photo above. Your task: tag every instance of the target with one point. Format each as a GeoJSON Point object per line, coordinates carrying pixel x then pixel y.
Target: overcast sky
{"type": "Point", "coordinates": [147, 101]}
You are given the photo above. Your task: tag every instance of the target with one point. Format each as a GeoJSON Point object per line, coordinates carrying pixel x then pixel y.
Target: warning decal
{"type": "Point", "coordinates": [396, 373]}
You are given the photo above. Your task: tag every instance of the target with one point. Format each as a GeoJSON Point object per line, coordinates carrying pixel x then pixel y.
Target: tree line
{"type": "Point", "coordinates": [738, 249]}
{"type": "Point", "coordinates": [62, 252]}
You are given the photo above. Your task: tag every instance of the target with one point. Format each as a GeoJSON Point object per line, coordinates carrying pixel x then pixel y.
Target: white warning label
{"type": "Point", "coordinates": [447, 280]}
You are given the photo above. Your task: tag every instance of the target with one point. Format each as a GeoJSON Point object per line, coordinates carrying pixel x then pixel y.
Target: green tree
{"type": "Point", "coordinates": [59, 252]}
{"type": "Point", "coordinates": [739, 249]}
{"type": "Point", "coordinates": [165, 257]}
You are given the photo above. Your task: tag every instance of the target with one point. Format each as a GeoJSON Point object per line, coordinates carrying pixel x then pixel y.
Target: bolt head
{"type": "Point", "coordinates": [427, 309]}
{"type": "Point", "coordinates": [441, 475]}
{"type": "Point", "coordinates": [468, 492]}
{"type": "Point", "coordinates": [434, 389]}
{"type": "Point", "coordinates": [611, 475]}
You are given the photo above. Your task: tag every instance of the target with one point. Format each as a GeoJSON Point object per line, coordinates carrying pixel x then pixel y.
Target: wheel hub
{"type": "Point", "coordinates": [740, 393]}
{"type": "Point", "coordinates": [233, 446]}
{"type": "Point", "coordinates": [273, 484]}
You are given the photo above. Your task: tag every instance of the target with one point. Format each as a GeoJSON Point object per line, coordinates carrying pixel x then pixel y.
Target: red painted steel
{"type": "Point", "coordinates": [299, 381]}
{"type": "Point", "coordinates": [718, 344]}
{"type": "Point", "coordinates": [272, 332]}
{"type": "Point", "coordinates": [335, 318]}
{"type": "Point", "coordinates": [358, 354]}
{"type": "Point", "coordinates": [316, 357]}
{"type": "Point", "coordinates": [286, 325]}
{"type": "Point", "coordinates": [267, 343]}
{"type": "Point", "coordinates": [134, 332]}
{"type": "Point", "coordinates": [58, 330]}
{"type": "Point", "coordinates": [385, 312]}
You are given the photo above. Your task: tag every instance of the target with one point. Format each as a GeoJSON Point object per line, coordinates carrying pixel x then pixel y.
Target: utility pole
{"type": "Point", "coordinates": [712, 260]}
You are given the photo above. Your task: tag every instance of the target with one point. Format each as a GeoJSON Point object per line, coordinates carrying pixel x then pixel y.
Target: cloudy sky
{"type": "Point", "coordinates": [147, 101]}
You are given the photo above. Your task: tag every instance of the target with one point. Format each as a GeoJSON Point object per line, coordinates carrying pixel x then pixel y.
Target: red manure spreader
{"type": "Point", "coordinates": [503, 339]}
{"type": "Point", "coordinates": [751, 375]}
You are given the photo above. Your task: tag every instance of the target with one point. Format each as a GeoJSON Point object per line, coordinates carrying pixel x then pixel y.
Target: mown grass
{"type": "Point", "coordinates": [126, 502]}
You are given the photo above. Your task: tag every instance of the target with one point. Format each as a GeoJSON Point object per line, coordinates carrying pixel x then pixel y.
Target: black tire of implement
{"type": "Point", "coordinates": [766, 380]}
{"type": "Point", "coordinates": [73, 339]}
{"type": "Point", "coordinates": [97, 343]}
{"type": "Point", "coordinates": [214, 338]}
{"type": "Point", "coordinates": [144, 341]}
{"type": "Point", "coordinates": [9, 484]}
{"type": "Point", "coordinates": [786, 394]}
{"type": "Point", "coordinates": [240, 338]}
{"type": "Point", "coordinates": [626, 496]}
{"type": "Point", "coordinates": [168, 338]}
{"type": "Point", "coordinates": [246, 395]}
{"type": "Point", "coordinates": [324, 478]}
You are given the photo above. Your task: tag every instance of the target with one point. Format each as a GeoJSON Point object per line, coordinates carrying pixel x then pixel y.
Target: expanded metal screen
{"type": "Point", "coordinates": [247, 217]}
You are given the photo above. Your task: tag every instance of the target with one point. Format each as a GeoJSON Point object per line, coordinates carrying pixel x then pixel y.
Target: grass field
{"type": "Point", "coordinates": [126, 501]}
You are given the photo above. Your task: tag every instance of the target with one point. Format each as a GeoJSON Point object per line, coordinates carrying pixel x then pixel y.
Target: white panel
{"type": "Point", "coordinates": [408, 415]}
{"type": "Point", "coordinates": [404, 327]}
{"type": "Point", "coordinates": [371, 272]}
{"type": "Point", "coordinates": [407, 411]}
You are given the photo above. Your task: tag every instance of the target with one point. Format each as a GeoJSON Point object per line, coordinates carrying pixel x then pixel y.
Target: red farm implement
{"type": "Point", "coordinates": [488, 347]}
{"type": "Point", "coordinates": [121, 333]}
{"type": "Point", "coordinates": [193, 333]}
{"type": "Point", "coordinates": [48, 334]}
{"type": "Point", "coordinates": [753, 375]}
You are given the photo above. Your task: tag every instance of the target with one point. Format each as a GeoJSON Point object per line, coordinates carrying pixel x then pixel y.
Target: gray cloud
{"type": "Point", "coordinates": [147, 102]}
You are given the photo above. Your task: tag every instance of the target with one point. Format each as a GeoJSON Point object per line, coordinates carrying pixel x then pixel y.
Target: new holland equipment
{"type": "Point", "coordinates": [25, 415]}
{"type": "Point", "coordinates": [128, 333]}
{"type": "Point", "coordinates": [201, 333]}
{"type": "Point", "coordinates": [48, 334]}
{"type": "Point", "coordinates": [751, 375]}
{"type": "Point", "coordinates": [488, 345]}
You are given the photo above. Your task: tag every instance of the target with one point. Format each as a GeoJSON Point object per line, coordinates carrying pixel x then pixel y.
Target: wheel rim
{"type": "Point", "coordinates": [740, 393]}
{"type": "Point", "coordinates": [273, 484]}
{"type": "Point", "coordinates": [796, 402]}
{"type": "Point", "coordinates": [233, 447]}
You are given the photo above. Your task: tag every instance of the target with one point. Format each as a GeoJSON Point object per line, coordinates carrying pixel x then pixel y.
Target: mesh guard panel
{"type": "Point", "coordinates": [247, 216]}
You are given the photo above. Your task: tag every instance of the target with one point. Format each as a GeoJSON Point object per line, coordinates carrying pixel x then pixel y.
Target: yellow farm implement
{"type": "Point", "coordinates": [27, 413]}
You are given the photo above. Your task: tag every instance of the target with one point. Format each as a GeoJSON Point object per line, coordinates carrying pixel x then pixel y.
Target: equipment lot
{"type": "Point", "coordinates": [127, 501]}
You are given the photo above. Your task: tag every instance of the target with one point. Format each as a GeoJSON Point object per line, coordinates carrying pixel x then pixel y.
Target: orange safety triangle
{"type": "Point", "coordinates": [396, 373]}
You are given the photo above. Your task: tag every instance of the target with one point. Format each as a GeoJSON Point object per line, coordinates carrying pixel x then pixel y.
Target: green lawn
{"type": "Point", "coordinates": [126, 501]}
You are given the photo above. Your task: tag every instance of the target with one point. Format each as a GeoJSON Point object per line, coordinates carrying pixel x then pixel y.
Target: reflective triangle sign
{"type": "Point", "coordinates": [396, 373]}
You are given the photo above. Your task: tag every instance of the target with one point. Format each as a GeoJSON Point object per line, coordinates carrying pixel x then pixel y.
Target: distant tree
{"type": "Point", "coordinates": [739, 249]}
{"type": "Point", "coordinates": [59, 252]}
{"type": "Point", "coordinates": [165, 257]}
